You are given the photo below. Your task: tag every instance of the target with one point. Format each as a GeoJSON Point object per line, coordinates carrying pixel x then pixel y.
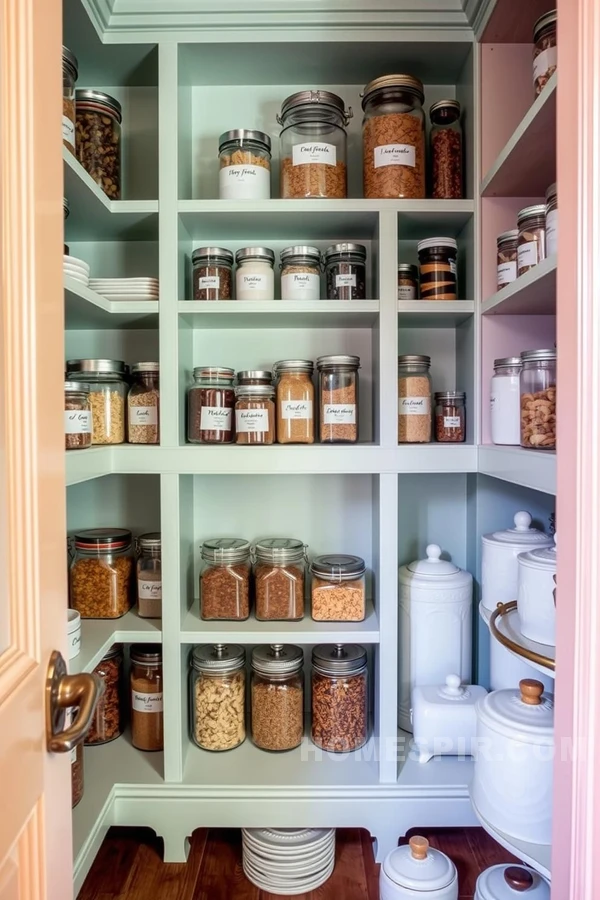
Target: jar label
{"type": "Point", "coordinates": [296, 409]}
{"type": "Point", "coordinates": [452, 264]}
{"type": "Point", "coordinates": [143, 415]}
{"type": "Point", "coordinates": [339, 413]}
{"type": "Point", "coordinates": [215, 418]}
{"type": "Point", "coordinates": [414, 406]}
{"type": "Point", "coordinates": [253, 282]}
{"type": "Point", "coordinates": [451, 421]}
{"type": "Point", "coordinates": [552, 232]}
{"type": "Point", "coordinates": [149, 590]}
{"type": "Point", "coordinates": [305, 154]}
{"type": "Point", "coordinates": [68, 131]}
{"type": "Point", "coordinates": [74, 643]}
{"type": "Point", "coordinates": [507, 272]}
{"type": "Point", "coordinates": [244, 183]}
{"type": "Point", "coordinates": [252, 420]}
{"type": "Point", "coordinates": [543, 62]}
{"type": "Point", "coordinates": [345, 280]}
{"type": "Point", "coordinates": [209, 283]}
{"type": "Point", "coordinates": [407, 292]}
{"type": "Point", "coordinates": [147, 703]}
{"type": "Point", "coordinates": [528, 254]}
{"type": "Point", "coordinates": [300, 285]}
{"type": "Point", "coordinates": [78, 421]}
{"type": "Point", "coordinates": [394, 155]}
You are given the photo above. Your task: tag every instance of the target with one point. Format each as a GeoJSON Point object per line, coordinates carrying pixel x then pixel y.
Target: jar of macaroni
{"type": "Point", "coordinates": [295, 401]}
{"type": "Point", "coordinates": [277, 693]}
{"type": "Point", "coordinates": [538, 399]}
{"type": "Point", "coordinates": [245, 165]}
{"type": "Point", "coordinates": [338, 591]}
{"type": "Point", "coordinates": [218, 701]}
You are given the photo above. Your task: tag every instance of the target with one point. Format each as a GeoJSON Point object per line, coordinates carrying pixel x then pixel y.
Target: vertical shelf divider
{"type": "Point", "coordinates": [387, 404]}
{"type": "Point", "coordinates": [386, 679]}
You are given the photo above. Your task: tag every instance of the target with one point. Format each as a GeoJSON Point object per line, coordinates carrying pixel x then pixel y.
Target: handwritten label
{"type": "Point", "coordinates": [507, 272]}
{"type": "Point", "coordinates": [255, 282]}
{"type": "Point", "coordinates": [149, 590]}
{"type": "Point", "coordinates": [78, 421]}
{"type": "Point", "coordinates": [209, 283]}
{"type": "Point", "coordinates": [394, 155]}
{"type": "Point", "coordinates": [339, 413]}
{"type": "Point", "coordinates": [244, 183]}
{"type": "Point", "coordinates": [215, 418]}
{"type": "Point", "coordinates": [300, 286]}
{"type": "Point", "coordinates": [252, 420]}
{"type": "Point", "coordinates": [296, 409]}
{"type": "Point", "coordinates": [451, 421]}
{"type": "Point", "coordinates": [147, 703]}
{"type": "Point", "coordinates": [527, 254]}
{"type": "Point", "coordinates": [414, 406]}
{"type": "Point", "coordinates": [68, 131]}
{"type": "Point", "coordinates": [143, 415]}
{"type": "Point", "coordinates": [304, 154]}
{"type": "Point", "coordinates": [345, 280]}
{"type": "Point", "coordinates": [407, 292]}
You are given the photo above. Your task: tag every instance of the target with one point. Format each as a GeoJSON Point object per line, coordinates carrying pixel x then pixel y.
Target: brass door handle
{"type": "Point", "coordinates": [81, 692]}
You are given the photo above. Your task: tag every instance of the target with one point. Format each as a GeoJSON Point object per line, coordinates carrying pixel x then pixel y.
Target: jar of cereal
{"type": "Point", "coordinates": [218, 687]}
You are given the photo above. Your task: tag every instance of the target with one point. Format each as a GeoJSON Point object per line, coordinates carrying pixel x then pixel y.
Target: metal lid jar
{"type": "Point", "coordinates": [78, 416]}
{"type": "Point", "coordinates": [143, 422]}
{"type": "Point", "coordinates": [505, 403]}
{"type": "Point", "coordinates": [499, 552]}
{"type": "Point", "coordinates": [295, 401]}
{"type": "Point", "coordinates": [338, 398]}
{"type": "Point", "coordinates": [211, 402]}
{"type": "Point", "coordinates": [146, 682]}
{"type": "Point", "coordinates": [218, 688]}
{"type": "Point", "coordinates": [450, 417]}
{"type": "Point", "coordinates": [551, 221]}
{"type": "Point", "coordinates": [254, 277]}
{"type": "Point", "coordinates": [408, 281]}
{"type": "Point", "coordinates": [507, 257]}
{"type": "Point", "coordinates": [338, 590]}
{"type": "Point", "coordinates": [108, 721]}
{"type": "Point", "coordinates": [279, 579]}
{"type": "Point", "coordinates": [101, 573]}
{"type": "Point", "coordinates": [414, 399]}
{"type": "Point", "coordinates": [149, 575]}
{"type": "Point", "coordinates": [255, 376]}
{"type": "Point", "coordinates": [106, 379]}
{"type": "Point", "coordinates": [244, 165]}
{"type": "Point", "coordinates": [446, 150]}
{"type": "Point", "coordinates": [225, 579]}
{"type": "Point", "coordinates": [277, 696]}
{"type": "Point", "coordinates": [254, 414]}
{"type": "Point", "coordinates": [437, 268]}
{"type": "Point", "coordinates": [538, 399]}
{"type": "Point", "coordinates": [98, 139]}
{"type": "Point", "coordinates": [531, 243]}
{"type": "Point", "coordinates": [416, 870]}
{"type": "Point", "coordinates": [212, 273]}
{"type": "Point", "coordinates": [339, 697]}
{"type": "Point", "coordinates": [544, 50]}
{"type": "Point", "coordinates": [345, 272]}
{"type": "Point", "coordinates": [536, 599]}
{"type": "Point", "coordinates": [70, 71]}
{"type": "Point", "coordinates": [511, 883]}
{"type": "Point", "coordinates": [300, 273]}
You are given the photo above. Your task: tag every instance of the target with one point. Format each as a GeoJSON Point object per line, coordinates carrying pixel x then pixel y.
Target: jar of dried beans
{"type": "Point", "coordinates": [300, 273]}
{"type": "Point", "coordinates": [414, 399]}
{"type": "Point", "coordinates": [212, 273]}
{"type": "Point", "coordinates": [101, 573]}
{"type": "Point", "coordinates": [338, 399]}
{"type": "Point", "coordinates": [394, 138]}
{"type": "Point", "coordinates": [279, 579]}
{"type": "Point", "coordinates": [505, 401]}
{"type": "Point", "coordinates": [277, 696]}
{"type": "Point", "coordinates": [108, 721]}
{"type": "Point", "coordinates": [450, 423]}
{"type": "Point", "coordinates": [225, 579]}
{"type": "Point", "coordinates": [544, 50]}
{"type": "Point", "coordinates": [408, 282]}
{"type": "Point", "coordinates": [218, 687]}
{"type": "Point", "coordinates": [551, 221]}
{"type": "Point", "coordinates": [339, 697]}
{"type": "Point", "coordinates": [78, 416]}
{"type": "Point", "coordinates": [437, 268]}
{"type": "Point", "coordinates": [108, 393]}
{"type": "Point", "coordinates": [254, 276]}
{"type": "Point", "coordinates": [338, 588]}
{"type": "Point", "coordinates": [149, 576]}
{"type": "Point", "coordinates": [507, 257]}
{"type": "Point", "coordinates": [345, 272]}
{"type": "Point", "coordinates": [295, 401]}
{"type": "Point", "coordinates": [211, 403]}
{"type": "Point", "coordinates": [531, 245]}
{"type": "Point", "coordinates": [245, 165]}
{"type": "Point", "coordinates": [146, 681]}
{"type": "Point", "coordinates": [69, 76]}
{"type": "Point", "coordinates": [313, 145]}
{"type": "Point", "coordinates": [538, 399]}
{"type": "Point", "coordinates": [254, 414]}
{"type": "Point", "coordinates": [255, 376]}
{"type": "Point", "coordinates": [98, 139]}
{"type": "Point", "coordinates": [143, 404]}
{"type": "Point", "coordinates": [446, 150]}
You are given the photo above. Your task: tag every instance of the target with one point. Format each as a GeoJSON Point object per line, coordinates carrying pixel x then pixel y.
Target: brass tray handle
{"type": "Point", "coordinates": [501, 610]}
{"type": "Point", "coordinates": [80, 692]}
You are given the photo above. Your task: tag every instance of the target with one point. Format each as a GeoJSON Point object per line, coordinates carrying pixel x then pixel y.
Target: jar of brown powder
{"type": "Point", "coordinates": [414, 399]}
{"type": "Point", "coordinates": [277, 697]}
{"type": "Point", "coordinates": [254, 414]}
{"type": "Point", "coordinates": [212, 273]}
{"type": "Point", "coordinates": [146, 697]}
{"type": "Point", "coordinates": [338, 588]}
{"type": "Point", "coordinates": [108, 721]}
{"type": "Point", "coordinates": [225, 579]}
{"type": "Point", "coordinates": [338, 399]}
{"type": "Point", "coordinates": [211, 403]}
{"type": "Point", "coordinates": [279, 579]}
{"type": "Point", "coordinates": [339, 697]}
{"type": "Point", "coordinates": [295, 401]}
{"type": "Point", "coordinates": [149, 576]}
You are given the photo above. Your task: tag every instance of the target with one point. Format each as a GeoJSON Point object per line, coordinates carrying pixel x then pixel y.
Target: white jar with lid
{"type": "Point", "coordinates": [511, 883]}
{"type": "Point", "coordinates": [416, 871]}
{"type": "Point", "coordinates": [535, 594]}
{"type": "Point", "coordinates": [254, 277]}
{"type": "Point", "coordinates": [444, 720]}
{"type": "Point", "coordinates": [435, 626]}
{"type": "Point", "coordinates": [505, 401]}
{"type": "Point", "coordinates": [499, 552]}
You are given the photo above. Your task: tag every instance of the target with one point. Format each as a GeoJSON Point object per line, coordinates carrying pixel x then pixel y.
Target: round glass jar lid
{"type": "Point", "coordinates": [103, 539]}
{"type": "Point", "coordinates": [531, 212]}
{"type": "Point", "coordinates": [294, 365]}
{"type": "Point", "coordinates": [341, 251]}
{"type": "Point", "coordinates": [338, 567]}
{"type": "Point", "coordinates": [430, 243]}
{"type": "Point", "coordinates": [537, 355]}
{"type": "Point", "coordinates": [444, 111]}
{"type": "Point", "coordinates": [149, 541]}
{"type": "Point", "coordinates": [225, 550]}
{"type": "Point", "coordinates": [215, 254]}
{"type": "Point", "coordinates": [548, 18]}
{"type": "Point", "coordinates": [218, 658]}
{"type": "Point", "coordinates": [508, 236]}
{"type": "Point", "coordinates": [277, 659]}
{"type": "Point", "coordinates": [76, 387]}
{"type": "Point", "coordinates": [70, 62]}
{"type": "Point", "coordinates": [146, 654]}
{"type": "Point", "coordinates": [506, 362]}
{"type": "Point", "coordinates": [145, 367]}
{"type": "Point", "coordinates": [449, 396]}
{"type": "Point", "coordinates": [263, 254]}
{"type": "Point", "coordinates": [279, 550]}
{"type": "Point", "coordinates": [257, 391]}
{"type": "Point", "coordinates": [313, 100]}
{"type": "Point", "coordinates": [102, 99]}
{"type": "Point", "coordinates": [332, 362]}
{"type": "Point", "coordinates": [391, 83]}
{"type": "Point", "coordinates": [243, 136]}
{"type": "Point", "coordinates": [301, 250]}
{"type": "Point", "coordinates": [414, 359]}
{"type": "Point", "coordinates": [97, 366]}
{"type": "Point", "coordinates": [339, 659]}
{"type": "Point", "coordinates": [214, 372]}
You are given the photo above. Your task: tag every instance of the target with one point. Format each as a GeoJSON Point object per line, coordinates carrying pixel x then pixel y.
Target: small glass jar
{"type": "Point", "coordinates": [146, 682]}
{"type": "Point", "coordinates": [339, 697]}
{"type": "Point", "coordinates": [70, 71]}
{"type": "Point", "coordinates": [313, 145]}
{"type": "Point", "coordinates": [505, 401]}
{"type": "Point", "coordinates": [143, 414]}
{"type": "Point", "coordinates": [255, 377]}
{"type": "Point", "coordinates": [338, 399]}
{"type": "Point", "coordinates": [551, 221]}
{"type": "Point", "coordinates": [345, 272]}
{"type": "Point", "coordinates": [300, 273]}
{"type": "Point", "coordinates": [77, 775]}
{"type": "Point", "coordinates": [254, 414]}
{"type": "Point", "coordinates": [66, 211]}
{"type": "Point", "coordinates": [218, 696]}
{"type": "Point", "coordinates": [544, 50]}
{"type": "Point", "coordinates": [245, 165]}
{"type": "Point", "coordinates": [98, 139]}
{"type": "Point", "coordinates": [531, 245]}
{"type": "Point", "coordinates": [212, 273]}
{"type": "Point", "coordinates": [450, 419]}
{"type": "Point", "coordinates": [408, 282]}
{"type": "Point", "coordinates": [108, 721]}
{"type": "Point", "coordinates": [78, 416]}
{"type": "Point", "coordinates": [507, 257]}
{"type": "Point", "coordinates": [277, 697]}
{"type": "Point", "coordinates": [279, 579]}
{"type": "Point", "coordinates": [106, 379]}
{"type": "Point", "coordinates": [101, 573]}
{"type": "Point", "coordinates": [295, 401]}
{"type": "Point", "coordinates": [338, 590]}
{"type": "Point", "coordinates": [446, 150]}
{"type": "Point", "coordinates": [414, 399]}
{"type": "Point", "coordinates": [394, 138]}
{"type": "Point", "coordinates": [225, 579]}
{"type": "Point", "coordinates": [254, 277]}
{"type": "Point", "coordinates": [437, 268]}
{"type": "Point", "coordinates": [211, 403]}
{"type": "Point", "coordinates": [538, 399]}
{"type": "Point", "coordinates": [149, 576]}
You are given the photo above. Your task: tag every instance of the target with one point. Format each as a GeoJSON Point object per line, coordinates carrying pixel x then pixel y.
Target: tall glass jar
{"type": "Point", "coordinates": [77, 775]}
{"type": "Point", "coordinates": [212, 273]}
{"type": "Point", "coordinates": [101, 573]}
{"type": "Point", "coordinates": [279, 579]}
{"type": "Point", "coordinates": [78, 416]}
{"type": "Point", "coordinates": [544, 50]}
{"type": "Point", "coordinates": [143, 413]}
{"type": "Point", "coordinates": [446, 150]}
{"type": "Point", "coordinates": [313, 145]}
{"type": "Point", "coordinates": [146, 680]}
{"type": "Point", "coordinates": [98, 139]}
{"type": "Point", "coordinates": [551, 221]}
{"type": "Point", "coordinates": [507, 257]}
{"type": "Point", "coordinates": [414, 399]}
{"type": "Point", "coordinates": [437, 268]}
{"type": "Point", "coordinates": [277, 697]}
{"type": "Point", "coordinates": [218, 696]}
{"type": "Point", "coordinates": [244, 165]}
{"type": "Point", "coordinates": [505, 401]}
{"type": "Point", "coordinates": [255, 414]}
{"type": "Point", "coordinates": [69, 74]}
{"type": "Point", "coordinates": [149, 576]}
{"type": "Point", "coordinates": [339, 697]}
{"type": "Point", "coordinates": [66, 211]}
{"type": "Point", "coordinates": [408, 282]}
{"type": "Point", "coordinates": [108, 387]}
{"type": "Point", "coordinates": [338, 399]}
{"type": "Point", "coordinates": [108, 721]}
{"type": "Point", "coordinates": [450, 417]}
{"type": "Point", "coordinates": [254, 276]}
{"type": "Point", "coordinates": [295, 401]}
{"type": "Point", "coordinates": [211, 403]}
{"type": "Point", "coordinates": [538, 399]}
{"type": "Point", "coordinates": [345, 272]}
{"type": "Point", "coordinates": [300, 273]}
{"type": "Point", "coordinates": [531, 244]}
{"type": "Point", "coordinates": [394, 138]}
{"type": "Point", "coordinates": [225, 579]}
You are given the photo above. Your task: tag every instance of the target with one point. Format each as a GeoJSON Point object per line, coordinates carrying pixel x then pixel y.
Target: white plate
{"type": "Point", "coordinates": [74, 261]}
{"type": "Point", "coordinates": [126, 298]}
{"type": "Point", "coordinates": [292, 890]}
{"type": "Point", "coordinates": [280, 864]}
{"type": "Point", "coordinates": [82, 279]}
{"type": "Point", "coordinates": [287, 871]}
{"type": "Point", "coordinates": [123, 291]}
{"type": "Point", "coordinates": [292, 837]}
{"type": "Point", "coordinates": [76, 270]}
{"type": "Point", "coordinates": [125, 282]}
{"type": "Point", "coordinates": [289, 853]}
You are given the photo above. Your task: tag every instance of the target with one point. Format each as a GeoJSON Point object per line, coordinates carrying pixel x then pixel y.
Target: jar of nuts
{"type": "Point", "coordinates": [277, 697]}
{"type": "Point", "coordinates": [446, 150]}
{"type": "Point", "coordinates": [108, 394]}
{"type": "Point", "coordinates": [98, 139]}
{"type": "Point", "coordinates": [544, 50]}
{"type": "Point", "coordinates": [279, 579]}
{"type": "Point", "coordinates": [108, 721]}
{"type": "Point", "coordinates": [218, 688]}
{"type": "Point", "coordinates": [225, 579]}
{"type": "Point", "coordinates": [101, 573]}
{"type": "Point", "coordinates": [338, 588]}
{"type": "Point", "coordinates": [531, 245]}
{"type": "Point", "coordinates": [538, 399]}
{"type": "Point", "coordinates": [69, 75]}
{"type": "Point", "coordinates": [339, 697]}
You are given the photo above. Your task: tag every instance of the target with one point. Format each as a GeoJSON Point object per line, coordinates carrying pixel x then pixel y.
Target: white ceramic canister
{"type": "Point", "coordinates": [73, 633]}
{"type": "Point", "coordinates": [499, 566]}
{"type": "Point", "coordinates": [511, 883]}
{"type": "Point", "coordinates": [254, 276]}
{"type": "Point", "coordinates": [535, 594]}
{"type": "Point", "coordinates": [444, 719]}
{"type": "Point", "coordinates": [416, 871]}
{"type": "Point", "coordinates": [505, 401]}
{"type": "Point", "coordinates": [435, 626]}
{"type": "Point", "coordinates": [512, 779]}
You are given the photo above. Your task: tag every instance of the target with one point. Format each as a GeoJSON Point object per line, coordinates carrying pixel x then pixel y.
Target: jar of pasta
{"type": "Point", "coordinates": [101, 573]}
{"type": "Point", "coordinates": [106, 380]}
{"type": "Point", "coordinates": [414, 399]}
{"type": "Point", "coordinates": [277, 696]}
{"type": "Point", "coordinates": [98, 139]}
{"type": "Point", "coordinates": [338, 588]}
{"type": "Point", "coordinates": [146, 680]}
{"type": "Point", "coordinates": [218, 688]}
{"type": "Point", "coordinates": [245, 165]}
{"type": "Point", "coordinates": [254, 414]}
{"type": "Point", "coordinates": [531, 244]}
{"type": "Point", "coordinates": [212, 273]}
{"type": "Point", "coordinates": [300, 273]}
{"type": "Point", "coordinates": [338, 399]}
{"type": "Point", "coordinates": [279, 579]}
{"type": "Point", "coordinates": [69, 75]}
{"type": "Point", "coordinates": [225, 579]}
{"type": "Point", "coordinates": [295, 401]}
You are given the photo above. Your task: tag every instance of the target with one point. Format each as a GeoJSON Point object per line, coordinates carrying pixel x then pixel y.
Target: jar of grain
{"type": "Point", "coordinates": [295, 401]}
{"type": "Point", "coordinates": [78, 416]}
{"type": "Point", "coordinates": [394, 138]}
{"type": "Point", "coordinates": [77, 779]}
{"type": "Point", "coordinates": [149, 576]}
{"type": "Point", "coordinates": [313, 145]}
{"type": "Point", "coordinates": [254, 277]}
{"type": "Point", "coordinates": [538, 399]}
{"type": "Point", "coordinates": [254, 414]}
{"type": "Point", "coordinates": [108, 721]}
{"type": "Point", "coordinates": [338, 592]}
{"type": "Point", "coordinates": [450, 421]}
{"type": "Point", "coordinates": [218, 687]}
{"type": "Point", "coordinates": [277, 697]}
{"type": "Point", "coordinates": [414, 399]}
{"type": "Point", "coordinates": [339, 697]}
{"type": "Point", "coordinates": [254, 376]}
{"type": "Point", "coordinates": [211, 402]}
{"type": "Point", "coordinates": [345, 272]}
{"type": "Point", "coordinates": [338, 398]}
{"type": "Point", "coordinates": [408, 282]}
{"type": "Point", "coordinates": [245, 165]}
{"type": "Point", "coordinates": [101, 573]}
{"type": "Point", "coordinates": [507, 257]}
{"type": "Point", "coordinates": [146, 697]}
{"type": "Point", "coordinates": [69, 76]}
{"type": "Point", "coordinates": [544, 50]}
{"type": "Point", "coordinates": [143, 425]}
{"type": "Point", "coordinates": [446, 150]}
{"type": "Point", "coordinates": [108, 393]}
{"type": "Point", "coordinates": [279, 579]}
{"type": "Point", "coordinates": [551, 221]}
{"type": "Point", "coordinates": [531, 244]}
{"type": "Point", "coordinates": [211, 274]}
{"type": "Point", "coordinates": [505, 401]}
{"type": "Point", "coordinates": [437, 268]}
{"type": "Point", "coordinates": [300, 273]}
{"type": "Point", "coordinates": [98, 139]}
{"type": "Point", "coordinates": [225, 579]}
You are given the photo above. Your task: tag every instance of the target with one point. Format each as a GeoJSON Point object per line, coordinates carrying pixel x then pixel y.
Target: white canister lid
{"type": "Point", "coordinates": [419, 867]}
{"type": "Point", "coordinates": [526, 714]}
{"type": "Point", "coordinates": [542, 558]}
{"type": "Point", "coordinates": [510, 883]}
{"type": "Point", "coordinates": [435, 570]}
{"type": "Point", "coordinates": [73, 621]}
{"type": "Point", "coordinates": [522, 535]}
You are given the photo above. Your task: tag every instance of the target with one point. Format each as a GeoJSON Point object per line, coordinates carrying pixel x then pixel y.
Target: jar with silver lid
{"type": "Point", "coordinates": [78, 416]}
{"type": "Point", "coordinates": [414, 399]}
{"type": "Point", "coordinates": [338, 589]}
{"type": "Point", "coordinates": [254, 278]}
{"type": "Point", "coordinates": [300, 273]}
{"type": "Point", "coordinates": [277, 696]}
{"type": "Point", "coordinates": [143, 402]}
{"type": "Point", "coordinates": [338, 398]}
{"type": "Point", "coordinates": [212, 273]}
{"type": "Point", "coordinates": [70, 71]}
{"type": "Point", "coordinates": [551, 221]}
{"type": "Point", "coordinates": [295, 401]}
{"type": "Point", "coordinates": [255, 414]}
{"type": "Point", "coordinates": [408, 281]}
{"type": "Point", "coordinates": [507, 257]}
{"type": "Point", "coordinates": [218, 696]}
{"type": "Point", "coordinates": [531, 244]}
{"type": "Point", "coordinates": [255, 376]}
{"type": "Point", "coordinates": [339, 697]}
{"type": "Point", "coordinates": [108, 388]}
{"type": "Point", "coordinates": [225, 579]}
{"type": "Point", "coordinates": [98, 139]}
{"type": "Point", "coordinates": [279, 579]}
{"type": "Point", "coordinates": [211, 403]}
{"type": "Point", "coordinates": [538, 399]}
{"type": "Point", "coordinates": [450, 417]}
{"type": "Point", "coordinates": [505, 400]}
{"type": "Point", "coordinates": [544, 50]}
{"type": "Point", "coordinates": [345, 272]}
{"type": "Point", "coordinates": [149, 576]}
{"type": "Point", "coordinates": [245, 165]}
{"type": "Point", "coordinates": [446, 150]}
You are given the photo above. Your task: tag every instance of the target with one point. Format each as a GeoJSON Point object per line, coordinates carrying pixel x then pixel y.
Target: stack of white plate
{"type": "Point", "coordinates": [288, 861]}
{"type": "Point", "coordinates": [77, 269]}
{"type": "Point", "coordinates": [126, 289]}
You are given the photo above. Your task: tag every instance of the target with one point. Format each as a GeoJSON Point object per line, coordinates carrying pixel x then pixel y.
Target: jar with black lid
{"type": "Point", "coordinates": [101, 573]}
{"type": "Point", "coordinates": [277, 697]}
{"type": "Point", "coordinates": [70, 71]}
{"type": "Point", "coordinates": [446, 150]}
{"type": "Point", "coordinates": [345, 272]}
{"type": "Point", "coordinates": [98, 139]}
{"type": "Point", "coordinates": [437, 268]}
{"type": "Point", "coordinates": [339, 697]}
{"type": "Point", "coordinates": [531, 245]}
{"type": "Point", "coordinates": [212, 273]}
{"type": "Point", "coordinates": [408, 282]}
{"type": "Point", "coordinates": [211, 402]}
{"type": "Point", "coordinates": [245, 165]}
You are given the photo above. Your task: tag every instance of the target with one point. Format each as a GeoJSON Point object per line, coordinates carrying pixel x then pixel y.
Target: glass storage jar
{"type": "Point", "coordinates": [78, 416]}
{"type": "Point", "coordinates": [211, 402]}
{"type": "Point", "coordinates": [544, 50]}
{"type": "Point", "coordinates": [149, 576]}
{"type": "Point", "coordinates": [338, 399]}
{"type": "Point", "coordinates": [313, 145]}
{"type": "Point", "coordinates": [531, 245]}
{"type": "Point", "coordinates": [69, 76]}
{"type": "Point", "coordinates": [446, 150]}
{"type": "Point", "coordinates": [101, 573]}
{"type": "Point", "coordinates": [143, 422]}
{"type": "Point", "coordinates": [338, 589]}
{"type": "Point", "coordinates": [108, 721]}
{"type": "Point", "coordinates": [66, 211]}
{"type": "Point", "coordinates": [345, 272]}
{"type": "Point", "coordinates": [254, 414]}
{"type": "Point", "coordinates": [408, 281]}
{"type": "Point", "coordinates": [339, 697]}
{"type": "Point", "coordinates": [254, 377]}
{"type": "Point", "coordinates": [146, 682]}
{"type": "Point", "coordinates": [507, 257]}
{"type": "Point", "coordinates": [394, 138]}
{"type": "Point", "coordinates": [254, 277]}
{"type": "Point", "coordinates": [277, 693]}
{"type": "Point", "coordinates": [450, 419]}
{"type": "Point", "coordinates": [538, 399]}
{"type": "Point", "coordinates": [77, 775]}
{"type": "Point", "coordinates": [106, 379]}
{"type": "Point", "coordinates": [212, 273]}
{"type": "Point", "coordinates": [225, 579]}
{"type": "Point", "coordinates": [295, 401]}
{"type": "Point", "coordinates": [98, 139]}
{"type": "Point", "coordinates": [300, 273]}
{"type": "Point", "coordinates": [437, 268]}
{"type": "Point", "coordinates": [551, 221]}
{"type": "Point", "coordinates": [245, 165]}
{"type": "Point", "coordinates": [414, 399]}
{"type": "Point", "coordinates": [279, 579]}
{"type": "Point", "coordinates": [218, 696]}
{"type": "Point", "coordinates": [505, 401]}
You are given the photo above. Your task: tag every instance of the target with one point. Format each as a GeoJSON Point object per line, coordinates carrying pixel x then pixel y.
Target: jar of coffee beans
{"type": "Point", "coordinates": [345, 272]}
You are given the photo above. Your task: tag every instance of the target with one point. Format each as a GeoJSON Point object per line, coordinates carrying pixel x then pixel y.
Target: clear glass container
{"type": "Point", "coordinates": [414, 399]}
{"type": "Point", "coordinates": [254, 276]}
{"type": "Point", "coordinates": [143, 402]}
{"type": "Point", "coordinates": [446, 150]}
{"type": "Point", "coordinates": [225, 579]}
{"type": "Point", "coordinates": [279, 579]}
{"type": "Point", "coordinates": [146, 683]}
{"type": "Point", "coordinates": [78, 416]}
{"type": "Point", "coordinates": [313, 145]}
{"type": "Point", "coordinates": [394, 138]}
{"type": "Point", "coordinates": [101, 573]}
{"type": "Point", "coordinates": [277, 691]}
{"type": "Point", "coordinates": [77, 775]}
{"type": "Point", "coordinates": [544, 50]}
{"type": "Point", "coordinates": [450, 417]}
{"type": "Point", "coordinates": [108, 721]}
{"type": "Point", "coordinates": [255, 377]}
{"type": "Point", "coordinates": [339, 697]}
{"type": "Point", "coordinates": [70, 71]}
{"type": "Point", "coordinates": [254, 414]}
{"type": "Point", "coordinates": [66, 212]}
{"type": "Point", "coordinates": [300, 273]}
{"type": "Point", "coordinates": [106, 379]}
{"type": "Point", "coordinates": [437, 268]}
{"type": "Point", "coordinates": [295, 401]}
{"type": "Point", "coordinates": [538, 399]}
{"type": "Point", "coordinates": [338, 399]}
{"type": "Point", "coordinates": [218, 696]}
{"type": "Point", "coordinates": [212, 273]}
{"type": "Point", "coordinates": [149, 576]}
{"type": "Point", "coordinates": [211, 404]}
{"type": "Point", "coordinates": [551, 221]}
{"type": "Point", "coordinates": [505, 401]}
{"type": "Point", "coordinates": [98, 139]}
{"type": "Point", "coordinates": [345, 272]}
{"type": "Point", "coordinates": [531, 244]}
{"type": "Point", "coordinates": [507, 257]}
{"type": "Point", "coordinates": [408, 282]}
{"type": "Point", "coordinates": [338, 589]}
{"type": "Point", "coordinates": [244, 165]}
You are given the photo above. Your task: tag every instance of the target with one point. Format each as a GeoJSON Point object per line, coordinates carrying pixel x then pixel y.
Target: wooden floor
{"type": "Point", "coordinates": [129, 866]}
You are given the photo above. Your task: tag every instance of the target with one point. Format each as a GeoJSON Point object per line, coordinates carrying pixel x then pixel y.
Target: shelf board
{"type": "Point", "coordinates": [429, 458]}
{"type": "Point", "coordinates": [509, 625]}
{"type": "Point", "coordinates": [538, 856]}
{"type": "Point", "coordinates": [83, 465]}
{"type": "Point", "coordinates": [453, 774]}
{"type": "Point", "coordinates": [434, 314]}
{"type": "Point", "coordinates": [532, 294]}
{"type": "Point", "coordinates": [280, 313]}
{"type": "Point", "coordinates": [534, 469]}
{"type": "Point", "coordinates": [526, 165]}
{"type": "Point", "coordinates": [85, 308]}
{"type": "Point", "coordinates": [97, 635]}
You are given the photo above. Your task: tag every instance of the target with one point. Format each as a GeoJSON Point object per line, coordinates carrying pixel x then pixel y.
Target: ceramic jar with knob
{"type": "Point", "coordinates": [511, 883]}
{"type": "Point", "coordinates": [535, 594]}
{"type": "Point", "coordinates": [444, 719]}
{"type": "Point", "coordinates": [416, 871]}
{"type": "Point", "coordinates": [435, 626]}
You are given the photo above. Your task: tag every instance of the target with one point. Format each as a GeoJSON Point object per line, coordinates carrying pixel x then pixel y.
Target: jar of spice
{"type": "Point", "coordinates": [149, 576]}
{"type": "Point", "coordinates": [254, 376]}
{"type": "Point", "coordinates": [300, 273]}
{"type": "Point", "coordinates": [245, 165]}
{"type": "Point", "coordinates": [505, 401]}
{"type": "Point", "coordinates": [78, 416]}
{"type": "Point", "coordinates": [295, 401]}
{"type": "Point", "coordinates": [394, 138]}
{"type": "Point", "coordinates": [339, 697]}
{"type": "Point", "coordinates": [225, 579]}
{"type": "Point", "coordinates": [408, 282]}
{"type": "Point", "coordinates": [70, 70]}
{"type": "Point", "coordinates": [437, 268]}
{"type": "Point", "coordinates": [544, 50]}
{"type": "Point", "coordinates": [551, 221]}
{"type": "Point", "coordinates": [338, 588]}
{"type": "Point", "coordinates": [450, 423]}
{"type": "Point", "coordinates": [338, 399]}
{"type": "Point", "coordinates": [254, 278]}
{"type": "Point", "coordinates": [414, 399]}
{"type": "Point", "coordinates": [108, 721]}
{"type": "Point", "coordinates": [218, 686]}
{"type": "Point", "coordinates": [77, 779]}
{"type": "Point", "coordinates": [279, 579]}
{"type": "Point", "coordinates": [107, 394]}
{"type": "Point", "coordinates": [538, 399]}
{"type": "Point", "coordinates": [507, 257]}
{"type": "Point", "coordinates": [146, 697]}
{"type": "Point", "coordinates": [277, 697]}
{"type": "Point", "coordinates": [211, 402]}
{"type": "Point", "coordinates": [531, 245]}
{"type": "Point", "coordinates": [345, 272]}
{"type": "Point", "coordinates": [98, 139]}
{"type": "Point", "coordinates": [212, 273]}
{"type": "Point", "coordinates": [143, 404]}
{"type": "Point", "coordinates": [313, 145]}
{"type": "Point", "coordinates": [446, 150]}
{"type": "Point", "coordinates": [101, 573]}
{"type": "Point", "coordinates": [254, 414]}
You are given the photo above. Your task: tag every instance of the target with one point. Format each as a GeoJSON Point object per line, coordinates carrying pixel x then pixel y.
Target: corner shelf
{"type": "Point", "coordinates": [85, 308]}
{"type": "Point", "coordinates": [538, 856]}
{"type": "Point", "coordinates": [509, 626]}
{"type": "Point", "coordinates": [532, 294]}
{"type": "Point", "coordinates": [534, 469]}
{"type": "Point", "coordinates": [97, 635]}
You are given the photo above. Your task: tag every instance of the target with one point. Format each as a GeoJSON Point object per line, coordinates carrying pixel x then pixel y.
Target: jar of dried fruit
{"type": "Point", "coordinates": [507, 257]}
{"type": "Point", "coordinates": [300, 273]}
{"type": "Point", "coordinates": [69, 75]}
{"type": "Point", "coordinates": [78, 416]}
{"type": "Point", "coordinates": [339, 697]}
{"type": "Point", "coordinates": [218, 688]}
{"type": "Point", "coordinates": [531, 244]}
{"type": "Point", "coordinates": [345, 272]}
{"type": "Point", "coordinates": [143, 414]}
{"type": "Point", "coordinates": [98, 139]}
{"type": "Point", "coordinates": [295, 401]}
{"type": "Point", "coordinates": [146, 682]}
{"type": "Point", "coordinates": [544, 50]}
{"type": "Point", "coordinates": [538, 399]}
{"type": "Point", "coordinates": [279, 579]}
{"type": "Point", "coordinates": [106, 379]}
{"type": "Point", "coordinates": [245, 165]}
{"type": "Point", "coordinates": [225, 579]}
{"type": "Point", "coordinates": [254, 414]}
{"type": "Point", "coordinates": [446, 150]}
{"type": "Point", "coordinates": [149, 576]}
{"type": "Point", "coordinates": [450, 422]}
{"type": "Point", "coordinates": [338, 398]}
{"type": "Point", "coordinates": [101, 573]}
{"type": "Point", "coordinates": [338, 591]}
{"type": "Point", "coordinates": [211, 403]}
{"type": "Point", "coordinates": [414, 399]}
{"type": "Point", "coordinates": [277, 696]}
{"type": "Point", "coordinates": [212, 273]}
{"type": "Point", "coordinates": [108, 721]}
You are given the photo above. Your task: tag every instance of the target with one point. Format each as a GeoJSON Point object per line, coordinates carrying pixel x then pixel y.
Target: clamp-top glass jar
{"type": "Point", "coordinates": [446, 150]}
{"type": "Point", "coordinates": [211, 402]}
{"type": "Point", "coordinates": [218, 696]}
{"type": "Point", "coordinates": [245, 165]}
{"type": "Point", "coordinates": [538, 399]}
{"type": "Point", "coordinates": [345, 272]}
{"type": "Point", "coordinates": [143, 425]}
{"type": "Point", "coordinates": [339, 697]}
{"type": "Point", "coordinates": [295, 401]}
{"type": "Point", "coordinates": [212, 273]}
{"type": "Point", "coordinates": [225, 579]}
{"type": "Point", "coordinates": [101, 573]}
{"type": "Point", "coordinates": [108, 394]}
{"type": "Point", "coordinates": [69, 73]}
{"type": "Point", "coordinates": [277, 697]}
{"type": "Point", "coordinates": [313, 145]}
{"type": "Point", "coordinates": [338, 590]}
{"type": "Point", "coordinates": [149, 576]}
{"type": "Point", "coordinates": [338, 399]}
{"type": "Point", "coordinates": [300, 273]}
{"type": "Point", "coordinates": [279, 579]}
{"type": "Point", "coordinates": [98, 139]}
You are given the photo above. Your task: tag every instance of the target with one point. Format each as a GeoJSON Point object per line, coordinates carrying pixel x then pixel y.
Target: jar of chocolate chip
{"type": "Point", "coordinates": [108, 721]}
{"type": "Point", "coordinates": [98, 139]}
{"type": "Point", "coordinates": [345, 272]}
{"type": "Point", "coordinates": [212, 273]}
{"type": "Point", "coordinates": [339, 697]}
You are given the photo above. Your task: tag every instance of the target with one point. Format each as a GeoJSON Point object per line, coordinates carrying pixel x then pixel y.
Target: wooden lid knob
{"type": "Point", "coordinates": [518, 879]}
{"type": "Point", "coordinates": [418, 847]}
{"type": "Point", "coordinates": [531, 691]}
